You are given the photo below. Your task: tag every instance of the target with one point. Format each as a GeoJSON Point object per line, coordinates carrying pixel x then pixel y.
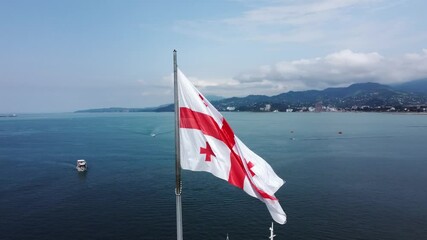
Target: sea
{"type": "Point", "coordinates": [348, 176]}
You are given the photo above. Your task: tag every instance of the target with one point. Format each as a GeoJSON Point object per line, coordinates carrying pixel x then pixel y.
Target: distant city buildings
{"type": "Point", "coordinates": [319, 107]}
{"type": "Point", "coordinates": [267, 108]}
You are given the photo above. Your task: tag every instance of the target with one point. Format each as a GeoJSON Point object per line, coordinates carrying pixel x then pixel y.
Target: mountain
{"type": "Point", "coordinates": [368, 95]}
{"type": "Point", "coordinates": [417, 86]}
{"type": "Point", "coordinates": [166, 108]}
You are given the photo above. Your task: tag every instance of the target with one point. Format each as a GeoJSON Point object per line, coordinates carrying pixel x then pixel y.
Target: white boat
{"type": "Point", "coordinates": [81, 165]}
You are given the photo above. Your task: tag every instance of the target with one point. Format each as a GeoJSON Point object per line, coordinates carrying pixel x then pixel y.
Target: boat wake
{"type": "Point", "coordinates": [152, 133]}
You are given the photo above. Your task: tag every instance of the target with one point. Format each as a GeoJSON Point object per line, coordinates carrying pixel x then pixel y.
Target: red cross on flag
{"type": "Point", "coordinates": [207, 143]}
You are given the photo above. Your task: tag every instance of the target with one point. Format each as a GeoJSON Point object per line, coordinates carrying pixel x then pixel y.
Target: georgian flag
{"type": "Point", "coordinates": [207, 143]}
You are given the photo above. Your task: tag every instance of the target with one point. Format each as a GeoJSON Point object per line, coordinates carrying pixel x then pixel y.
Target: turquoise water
{"type": "Point", "coordinates": [366, 183]}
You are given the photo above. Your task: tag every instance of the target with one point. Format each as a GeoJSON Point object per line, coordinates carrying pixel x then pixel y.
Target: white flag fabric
{"type": "Point", "coordinates": [207, 143]}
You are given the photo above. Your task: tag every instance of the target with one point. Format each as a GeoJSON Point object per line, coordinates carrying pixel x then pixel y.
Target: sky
{"type": "Point", "coordinates": [63, 56]}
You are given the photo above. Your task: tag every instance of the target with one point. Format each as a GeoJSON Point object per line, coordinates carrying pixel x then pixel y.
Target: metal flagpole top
{"type": "Point", "coordinates": [272, 232]}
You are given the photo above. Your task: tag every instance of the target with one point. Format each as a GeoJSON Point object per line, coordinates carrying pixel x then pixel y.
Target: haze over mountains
{"type": "Point", "coordinates": [361, 95]}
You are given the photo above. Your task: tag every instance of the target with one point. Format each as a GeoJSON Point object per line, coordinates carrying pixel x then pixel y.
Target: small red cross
{"type": "Point", "coordinates": [250, 165]}
{"type": "Point", "coordinates": [201, 97]}
{"type": "Point", "coordinates": [208, 151]}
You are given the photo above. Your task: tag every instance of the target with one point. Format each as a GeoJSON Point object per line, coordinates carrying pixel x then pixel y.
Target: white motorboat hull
{"type": "Point", "coordinates": [81, 165]}
{"type": "Point", "coordinates": [81, 169]}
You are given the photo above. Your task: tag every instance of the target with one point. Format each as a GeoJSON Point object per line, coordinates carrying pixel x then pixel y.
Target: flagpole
{"type": "Point", "coordinates": [272, 232]}
{"type": "Point", "coordinates": [178, 184]}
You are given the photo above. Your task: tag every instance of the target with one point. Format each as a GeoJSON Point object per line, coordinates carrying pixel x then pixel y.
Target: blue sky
{"type": "Point", "coordinates": [59, 56]}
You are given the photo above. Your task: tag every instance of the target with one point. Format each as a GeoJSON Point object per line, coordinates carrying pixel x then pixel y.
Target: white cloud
{"type": "Point", "coordinates": [340, 69]}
